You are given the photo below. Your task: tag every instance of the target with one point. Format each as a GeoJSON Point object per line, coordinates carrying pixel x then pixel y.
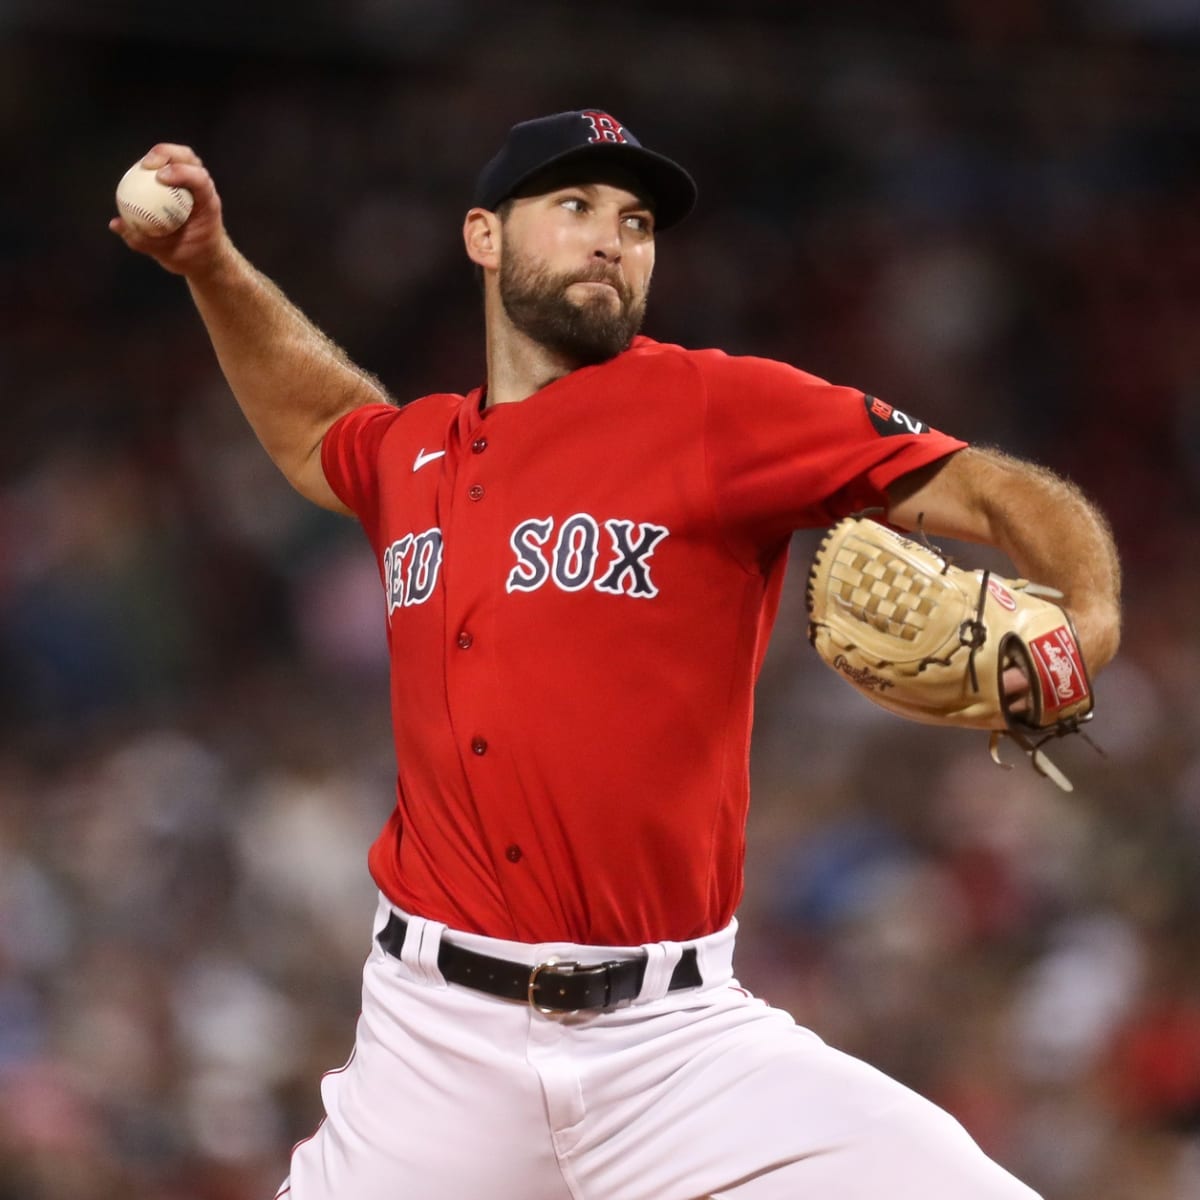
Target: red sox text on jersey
{"type": "Point", "coordinates": [572, 560]}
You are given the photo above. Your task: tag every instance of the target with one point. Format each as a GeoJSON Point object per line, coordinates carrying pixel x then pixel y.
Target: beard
{"type": "Point", "coordinates": [535, 299]}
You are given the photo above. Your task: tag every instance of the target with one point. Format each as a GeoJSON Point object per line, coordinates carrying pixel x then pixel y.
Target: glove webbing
{"type": "Point", "coordinates": [883, 591]}
{"type": "Point", "coordinates": [886, 593]}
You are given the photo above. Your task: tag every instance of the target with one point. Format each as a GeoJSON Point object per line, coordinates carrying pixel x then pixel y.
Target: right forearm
{"type": "Point", "coordinates": [290, 380]}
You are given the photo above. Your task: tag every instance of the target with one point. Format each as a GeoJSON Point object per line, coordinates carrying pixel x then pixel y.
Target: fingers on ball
{"type": "Point", "coordinates": [162, 153]}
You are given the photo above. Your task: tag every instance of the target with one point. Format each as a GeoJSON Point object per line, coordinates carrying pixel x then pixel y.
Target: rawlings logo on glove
{"type": "Point", "coordinates": [930, 641]}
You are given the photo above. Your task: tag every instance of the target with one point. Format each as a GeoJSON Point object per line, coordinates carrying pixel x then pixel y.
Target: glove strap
{"type": "Point", "coordinates": [974, 633]}
{"type": "Point", "coordinates": [1038, 758]}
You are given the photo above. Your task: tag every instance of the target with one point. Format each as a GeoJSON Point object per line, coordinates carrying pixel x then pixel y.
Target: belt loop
{"type": "Point", "coordinates": [422, 940]}
{"type": "Point", "coordinates": [661, 960]}
{"type": "Point", "coordinates": [714, 954]}
{"type": "Point", "coordinates": [431, 943]}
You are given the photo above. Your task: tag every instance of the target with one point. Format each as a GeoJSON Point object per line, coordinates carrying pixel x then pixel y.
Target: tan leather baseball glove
{"type": "Point", "coordinates": [930, 641]}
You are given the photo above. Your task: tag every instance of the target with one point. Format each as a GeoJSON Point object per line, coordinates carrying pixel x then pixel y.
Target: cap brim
{"type": "Point", "coordinates": [669, 188]}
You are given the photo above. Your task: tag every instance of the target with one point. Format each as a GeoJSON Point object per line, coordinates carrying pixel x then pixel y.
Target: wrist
{"type": "Point", "coordinates": [1098, 628]}
{"type": "Point", "coordinates": [222, 266]}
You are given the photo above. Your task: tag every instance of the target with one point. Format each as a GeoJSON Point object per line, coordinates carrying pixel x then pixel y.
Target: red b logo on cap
{"type": "Point", "coordinates": [604, 127]}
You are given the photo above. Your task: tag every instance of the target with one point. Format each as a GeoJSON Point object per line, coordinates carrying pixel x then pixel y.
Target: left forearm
{"type": "Point", "coordinates": [1043, 523]}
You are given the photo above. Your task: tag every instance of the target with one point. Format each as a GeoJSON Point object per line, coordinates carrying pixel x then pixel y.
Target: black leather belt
{"type": "Point", "coordinates": [550, 986]}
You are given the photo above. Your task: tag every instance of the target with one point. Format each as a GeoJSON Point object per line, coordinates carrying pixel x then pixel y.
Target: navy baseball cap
{"type": "Point", "coordinates": [584, 136]}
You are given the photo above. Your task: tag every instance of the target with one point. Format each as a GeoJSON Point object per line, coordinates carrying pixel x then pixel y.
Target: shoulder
{"type": "Point", "coordinates": [437, 406]}
{"type": "Point", "coordinates": [434, 405]}
{"type": "Point", "coordinates": [718, 367]}
{"type": "Point", "coordinates": [424, 410]}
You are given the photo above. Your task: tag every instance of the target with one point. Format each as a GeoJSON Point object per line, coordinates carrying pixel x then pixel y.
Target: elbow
{"type": "Point", "coordinates": [306, 475]}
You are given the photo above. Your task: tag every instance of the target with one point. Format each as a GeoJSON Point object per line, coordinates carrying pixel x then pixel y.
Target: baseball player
{"type": "Point", "coordinates": [581, 560]}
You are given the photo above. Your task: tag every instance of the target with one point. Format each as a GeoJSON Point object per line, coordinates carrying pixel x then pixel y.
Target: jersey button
{"type": "Point", "coordinates": [514, 853]}
{"type": "Point", "coordinates": [479, 745]}
{"type": "Point", "coordinates": [465, 640]}
{"type": "Point", "coordinates": [475, 492]}
{"type": "Point", "coordinates": [479, 445]}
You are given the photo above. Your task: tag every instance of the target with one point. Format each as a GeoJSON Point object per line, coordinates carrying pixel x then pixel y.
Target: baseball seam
{"type": "Point", "coordinates": [153, 218]}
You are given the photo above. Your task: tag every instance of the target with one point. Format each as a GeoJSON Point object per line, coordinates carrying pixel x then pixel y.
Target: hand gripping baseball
{"type": "Point", "coordinates": [932, 642]}
{"type": "Point", "coordinates": [199, 242]}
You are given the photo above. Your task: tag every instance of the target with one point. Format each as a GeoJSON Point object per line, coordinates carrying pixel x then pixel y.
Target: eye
{"type": "Point", "coordinates": [574, 204]}
{"type": "Point", "coordinates": [640, 222]}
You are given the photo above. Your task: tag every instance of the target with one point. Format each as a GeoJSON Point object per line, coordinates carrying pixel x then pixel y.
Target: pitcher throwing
{"type": "Point", "coordinates": [581, 560]}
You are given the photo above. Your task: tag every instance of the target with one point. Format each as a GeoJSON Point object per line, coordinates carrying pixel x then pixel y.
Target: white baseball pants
{"type": "Point", "coordinates": [452, 1094]}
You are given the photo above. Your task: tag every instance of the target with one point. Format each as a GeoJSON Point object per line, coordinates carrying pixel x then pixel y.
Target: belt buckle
{"type": "Point", "coordinates": [556, 963]}
{"type": "Point", "coordinates": [567, 967]}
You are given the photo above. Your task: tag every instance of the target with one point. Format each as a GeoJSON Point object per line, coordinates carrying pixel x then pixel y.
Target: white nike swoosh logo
{"type": "Point", "coordinates": [423, 458]}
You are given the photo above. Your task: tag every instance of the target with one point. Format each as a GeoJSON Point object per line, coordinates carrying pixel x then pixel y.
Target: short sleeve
{"type": "Point", "coordinates": [787, 450]}
{"type": "Point", "coordinates": [350, 458]}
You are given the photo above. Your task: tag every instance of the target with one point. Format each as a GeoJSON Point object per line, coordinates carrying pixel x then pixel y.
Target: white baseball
{"type": "Point", "coordinates": [151, 207]}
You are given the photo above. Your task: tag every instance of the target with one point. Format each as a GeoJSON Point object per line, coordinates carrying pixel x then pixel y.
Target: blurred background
{"type": "Point", "coordinates": [984, 211]}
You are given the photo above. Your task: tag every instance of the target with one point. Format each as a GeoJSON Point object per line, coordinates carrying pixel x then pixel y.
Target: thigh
{"type": "Point", "coordinates": [914, 1151]}
{"type": "Point", "coordinates": [437, 1102]}
{"type": "Point", "coordinates": [735, 1101]}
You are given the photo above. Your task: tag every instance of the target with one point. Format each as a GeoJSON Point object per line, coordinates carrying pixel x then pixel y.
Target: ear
{"type": "Point", "coordinates": [481, 236]}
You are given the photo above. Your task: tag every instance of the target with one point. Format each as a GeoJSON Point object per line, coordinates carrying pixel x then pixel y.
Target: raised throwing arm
{"type": "Point", "coordinates": [291, 381]}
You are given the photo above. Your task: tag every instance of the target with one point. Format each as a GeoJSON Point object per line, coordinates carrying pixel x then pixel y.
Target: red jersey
{"type": "Point", "coordinates": [579, 590]}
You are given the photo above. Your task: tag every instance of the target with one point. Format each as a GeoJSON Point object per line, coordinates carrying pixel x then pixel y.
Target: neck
{"type": "Point", "coordinates": [517, 366]}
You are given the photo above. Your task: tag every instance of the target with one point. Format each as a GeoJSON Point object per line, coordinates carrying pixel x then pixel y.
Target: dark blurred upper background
{"type": "Point", "coordinates": [983, 210]}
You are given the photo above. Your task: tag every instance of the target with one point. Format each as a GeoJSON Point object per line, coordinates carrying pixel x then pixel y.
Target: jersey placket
{"type": "Point", "coordinates": [472, 517]}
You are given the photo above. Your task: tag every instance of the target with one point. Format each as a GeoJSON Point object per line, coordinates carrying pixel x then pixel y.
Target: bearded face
{"type": "Point", "coordinates": [590, 326]}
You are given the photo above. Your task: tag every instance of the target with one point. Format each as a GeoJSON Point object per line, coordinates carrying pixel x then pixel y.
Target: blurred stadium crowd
{"type": "Point", "coordinates": [985, 211]}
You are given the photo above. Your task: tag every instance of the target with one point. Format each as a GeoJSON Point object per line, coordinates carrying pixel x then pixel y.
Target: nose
{"type": "Point", "coordinates": [608, 241]}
